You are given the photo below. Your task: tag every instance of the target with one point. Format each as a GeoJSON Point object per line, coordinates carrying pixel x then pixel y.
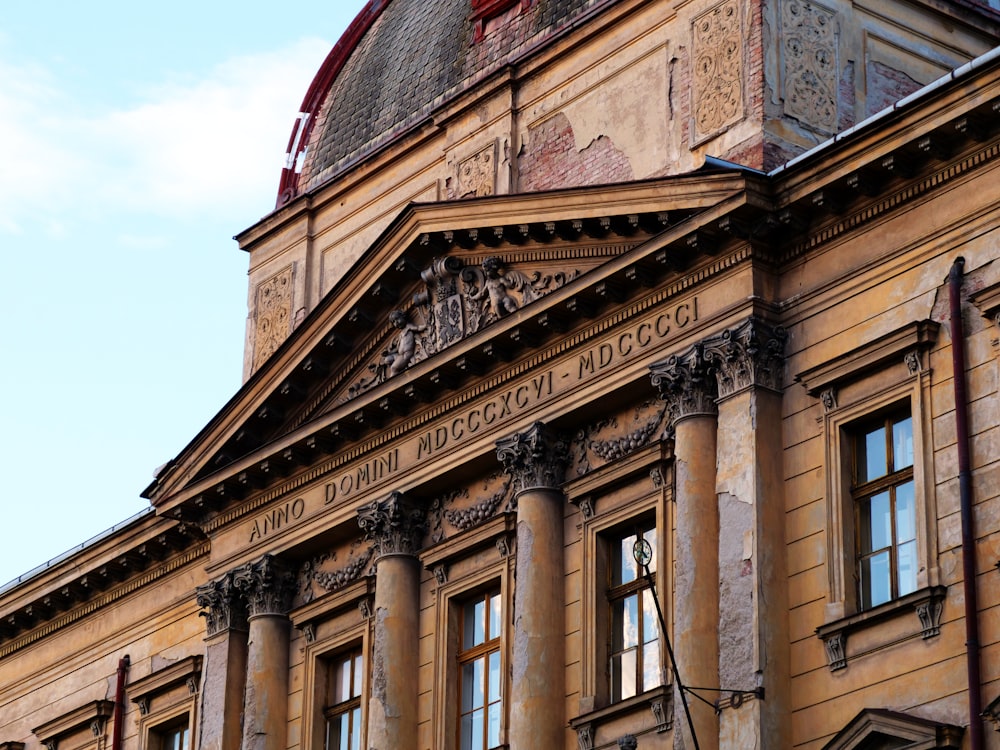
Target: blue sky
{"type": "Point", "coordinates": [135, 140]}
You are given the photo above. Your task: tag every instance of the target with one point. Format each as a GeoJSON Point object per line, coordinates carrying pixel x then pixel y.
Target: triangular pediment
{"type": "Point", "coordinates": [881, 729]}
{"type": "Point", "coordinates": [447, 292]}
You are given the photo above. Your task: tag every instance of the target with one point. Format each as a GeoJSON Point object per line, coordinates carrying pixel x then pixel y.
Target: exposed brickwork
{"type": "Point", "coordinates": [749, 153]}
{"type": "Point", "coordinates": [886, 86]}
{"type": "Point", "coordinates": [549, 159]}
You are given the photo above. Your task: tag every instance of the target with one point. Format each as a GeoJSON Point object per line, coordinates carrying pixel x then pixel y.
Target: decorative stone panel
{"type": "Point", "coordinates": [272, 315]}
{"type": "Point", "coordinates": [809, 64]}
{"type": "Point", "coordinates": [477, 175]}
{"type": "Point", "coordinates": [717, 55]}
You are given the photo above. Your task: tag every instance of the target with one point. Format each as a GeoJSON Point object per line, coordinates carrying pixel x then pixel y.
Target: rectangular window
{"type": "Point", "coordinates": [479, 673]}
{"type": "Point", "coordinates": [634, 625]}
{"type": "Point", "coordinates": [885, 509]}
{"type": "Point", "coordinates": [343, 712]}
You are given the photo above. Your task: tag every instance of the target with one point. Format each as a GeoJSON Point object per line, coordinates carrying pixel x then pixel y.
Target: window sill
{"type": "Point", "coordinates": [659, 701]}
{"type": "Point", "coordinates": [927, 603]}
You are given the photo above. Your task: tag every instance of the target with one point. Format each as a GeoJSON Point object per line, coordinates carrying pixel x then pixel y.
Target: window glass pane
{"type": "Point", "coordinates": [625, 568]}
{"type": "Point", "coordinates": [872, 461]}
{"type": "Point", "coordinates": [902, 444]}
{"type": "Point", "coordinates": [875, 580]}
{"type": "Point", "coordinates": [494, 616]}
{"type": "Point", "coordinates": [630, 621]}
{"type": "Point", "coordinates": [650, 665]}
{"type": "Point", "coordinates": [650, 536]}
{"type": "Point", "coordinates": [466, 732]}
{"type": "Point", "coordinates": [650, 623]}
{"type": "Point", "coordinates": [907, 561]}
{"type": "Point", "coordinates": [906, 514]}
{"type": "Point", "coordinates": [475, 623]}
{"type": "Point", "coordinates": [493, 726]}
{"type": "Point", "coordinates": [478, 729]}
{"type": "Point", "coordinates": [623, 675]}
{"type": "Point", "coordinates": [493, 691]}
{"type": "Point", "coordinates": [876, 523]}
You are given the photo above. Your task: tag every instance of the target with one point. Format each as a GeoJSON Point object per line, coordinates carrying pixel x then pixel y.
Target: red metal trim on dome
{"type": "Point", "coordinates": [288, 187]}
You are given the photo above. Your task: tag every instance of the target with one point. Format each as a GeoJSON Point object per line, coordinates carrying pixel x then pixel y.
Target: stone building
{"type": "Point", "coordinates": [582, 329]}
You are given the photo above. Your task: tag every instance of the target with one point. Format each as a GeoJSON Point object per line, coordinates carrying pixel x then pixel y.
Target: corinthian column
{"type": "Point", "coordinates": [686, 383]}
{"type": "Point", "coordinates": [267, 585]}
{"type": "Point", "coordinates": [753, 625]}
{"type": "Point", "coordinates": [395, 526]}
{"type": "Point", "coordinates": [225, 664]}
{"type": "Point", "coordinates": [536, 462]}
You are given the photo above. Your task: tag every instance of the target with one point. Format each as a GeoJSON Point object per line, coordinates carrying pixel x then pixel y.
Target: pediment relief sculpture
{"type": "Point", "coordinates": [455, 301]}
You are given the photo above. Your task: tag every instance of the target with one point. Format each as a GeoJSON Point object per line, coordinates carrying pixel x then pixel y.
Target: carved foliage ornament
{"type": "Point", "coordinates": [809, 56]}
{"type": "Point", "coordinates": [267, 584]}
{"type": "Point", "coordinates": [718, 69]}
{"type": "Point", "coordinates": [534, 459]}
{"type": "Point", "coordinates": [395, 525]}
{"type": "Point", "coordinates": [224, 605]}
{"type": "Point", "coordinates": [477, 174]}
{"type": "Point", "coordinates": [457, 301]}
{"type": "Point", "coordinates": [273, 314]}
{"type": "Point", "coordinates": [750, 354]}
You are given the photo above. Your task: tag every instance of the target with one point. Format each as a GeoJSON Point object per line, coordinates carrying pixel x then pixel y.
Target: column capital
{"type": "Point", "coordinates": [396, 525]}
{"type": "Point", "coordinates": [535, 459]}
{"type": "Point", "coordinates": [751, 354]}
{"type": "Point", "coordinates": [686, 381]}
{"type": "Point", "coordinates": [225, 605]}
{"type": "Point", "coordinates": [267, 585]}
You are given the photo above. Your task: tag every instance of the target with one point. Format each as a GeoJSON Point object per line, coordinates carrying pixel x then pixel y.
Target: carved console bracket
{"type": "Point", "coordinates": [992, 713]}
{"type": "Point", "coordinates": [927, 603]}
{"type": "Point", "coordinates": [658, 701]}
{"type": "Point", "coordinates": [988, 302]}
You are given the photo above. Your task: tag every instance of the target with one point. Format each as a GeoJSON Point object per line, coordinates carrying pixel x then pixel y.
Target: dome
{"type": "Point", "coordinates": [398, 62]}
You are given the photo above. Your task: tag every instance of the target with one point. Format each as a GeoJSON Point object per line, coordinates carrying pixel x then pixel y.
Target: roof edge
{"type": "Point", "coordinates": [316, 95]}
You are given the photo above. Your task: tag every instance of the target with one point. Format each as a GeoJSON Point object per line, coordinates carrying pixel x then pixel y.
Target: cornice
{"type": "Point", "coordinates": [11, 644]}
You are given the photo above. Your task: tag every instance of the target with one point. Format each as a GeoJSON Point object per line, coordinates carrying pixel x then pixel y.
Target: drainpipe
{"type": "Point", "coordinates": [965, 497]}
{"type": "Point", "coordinates": [116, 738]}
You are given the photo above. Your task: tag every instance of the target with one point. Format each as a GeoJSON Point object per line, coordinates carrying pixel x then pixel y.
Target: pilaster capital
{"type": "Point", "coordinates": [396, 525]}
{"type": "Point", "coordinates": [686, 381]}
{"type": "Point", "coordinates": [225, 607]}
{"type": "Point", "coordinates": [267, 584]}
{"type": "Point", "coordinates": [534, 459]}
{"type": "Point", "coordinates": [751, 354]}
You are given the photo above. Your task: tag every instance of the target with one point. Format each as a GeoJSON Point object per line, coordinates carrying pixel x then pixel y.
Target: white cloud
{"type": "Point", "coordinates": [211, 147]}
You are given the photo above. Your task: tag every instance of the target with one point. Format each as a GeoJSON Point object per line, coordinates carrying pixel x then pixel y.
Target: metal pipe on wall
{"type": "Point", "coordinates": [965, 497]}
{"type": "Point", "coordinates": [116, 737]}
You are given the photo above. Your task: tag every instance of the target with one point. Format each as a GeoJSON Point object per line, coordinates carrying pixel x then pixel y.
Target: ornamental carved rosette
{"type": "Point", "coordinates": [686, 381]}
{"type": "Point", "coordinates": [395, 525]}
{"type": "Point", "coordinates": [535, 459]}
{"type": "Point", "coordinates": [225, 609]}
{"type": "Point", "coordinates": [751, 354]}
{"type": "Point", "coordinates": [267, 584]}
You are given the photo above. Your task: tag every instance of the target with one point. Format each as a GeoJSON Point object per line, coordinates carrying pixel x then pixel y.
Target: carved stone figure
{"type": "Point", "coordinates": [495, 288]}
{"type": "Point", "coordinates": [400, 353]}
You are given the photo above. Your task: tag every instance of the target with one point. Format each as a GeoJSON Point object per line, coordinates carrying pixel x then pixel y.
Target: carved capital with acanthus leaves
{"type": "Point", "coordinates": [395, 525]}
{"type": "Point", "coordinates": [267, 584]}
{"type": "Point", "coordinates": [686, 381]}
{"type": "Point", "coordinates": [223, 604]}
{"type": "Point", "coordinates": [534, 459]}
{"type": "Point", "coordinates": [751, 354]}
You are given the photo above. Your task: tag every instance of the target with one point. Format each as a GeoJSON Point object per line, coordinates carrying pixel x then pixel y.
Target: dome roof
{"type": "Point", "coordinates": [398, 62]}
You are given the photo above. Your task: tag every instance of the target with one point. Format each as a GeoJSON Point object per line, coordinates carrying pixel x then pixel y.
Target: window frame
{"type": "Point", "coordinates": [618, 593]}
{"type": "Point", "coordinates": [168, 698]}
{"type": "Point", "coordinates": [331, 711]}
{"type": "Point", "coordinates": [479, 560]}
{"type": "Point", "coordinates": [471, 654]}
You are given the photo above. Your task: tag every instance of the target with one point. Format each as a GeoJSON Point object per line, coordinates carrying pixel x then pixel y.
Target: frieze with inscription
{"type": "Point", "coordinates": [457, 301]}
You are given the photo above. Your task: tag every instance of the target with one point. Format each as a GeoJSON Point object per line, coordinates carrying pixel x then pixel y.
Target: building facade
{"type": "Point", "coordinates": [618, 375]}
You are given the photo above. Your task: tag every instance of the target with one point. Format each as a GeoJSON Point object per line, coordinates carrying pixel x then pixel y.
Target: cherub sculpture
{"type": "Point", "coordinates": [400, 353]}
{"type": "Point", "coordinates": [495, 286]}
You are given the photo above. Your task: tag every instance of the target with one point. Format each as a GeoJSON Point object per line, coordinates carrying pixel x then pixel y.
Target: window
{"type": "Point", "coordinates": [479, 673]}
{"type": "Point", "coordinates": [634, 625]}
{"type": "Point", "coordinates": [343, 711]}
{"type": "Point", "coordinates": [885, 509]}
{"type": "Point", "coordinates": [173, 736]}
